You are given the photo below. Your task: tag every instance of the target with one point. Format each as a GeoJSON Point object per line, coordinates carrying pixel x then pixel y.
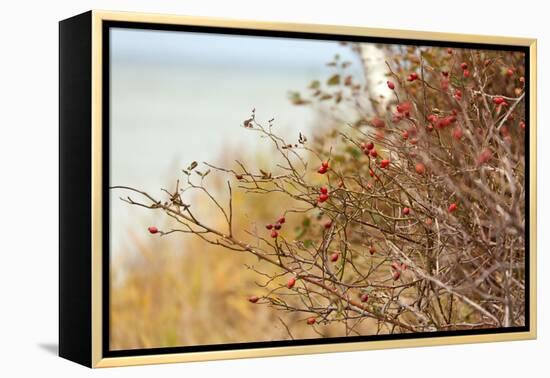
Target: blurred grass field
{"type": "Point", "coordinates": [178, 290]}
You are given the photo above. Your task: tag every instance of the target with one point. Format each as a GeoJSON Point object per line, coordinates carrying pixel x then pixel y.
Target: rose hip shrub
{"type": "Point", "coordinates": [409, 215]}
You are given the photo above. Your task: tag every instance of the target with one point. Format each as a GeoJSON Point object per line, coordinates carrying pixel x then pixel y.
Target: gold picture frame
{"type": "Point", "coordinates": [81, 328]}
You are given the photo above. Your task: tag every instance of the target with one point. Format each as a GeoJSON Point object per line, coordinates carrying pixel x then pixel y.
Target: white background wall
{"type": "Point", "coordinates": [28, 190]}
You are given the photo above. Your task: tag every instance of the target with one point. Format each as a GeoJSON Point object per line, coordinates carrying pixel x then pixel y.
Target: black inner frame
{"type": "Point", "coordinates": [107, 25]}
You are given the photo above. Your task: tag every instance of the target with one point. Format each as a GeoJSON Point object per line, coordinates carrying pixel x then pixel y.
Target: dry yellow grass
{"type": "Point", "coordinates": [178, 290]}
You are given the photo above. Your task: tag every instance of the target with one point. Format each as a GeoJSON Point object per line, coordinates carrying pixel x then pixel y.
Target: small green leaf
{"type": "Point", "coordinates": [456, 82]}
{"type": "Point", "coordinates": [354, 152]}
{"type": "Point", "coordinates": [315, 84]}
{"type": "Point", "coordinates": [429, 58]}
{"type": "Point", "coordinates": [300, 232]}
{"type": "Point", "coordinates": [368, 289]}
{"type": "Point", "coordinates": [334, 80]}
{"type": "Point", "coordinates": [339, 158]}
{"type": "Point", "coordinates": [297, 99]}
{"type": "Point", "coordinates": [192, 166]}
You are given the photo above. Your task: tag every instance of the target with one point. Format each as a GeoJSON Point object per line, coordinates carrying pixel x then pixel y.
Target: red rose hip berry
{"type": "Point", "coordinates": [404, 107]}
{"type": "Point", "coordinates": [499, 100]}
{"type": "Point", "coordinates": [457, 133]}
{"type": "Point", "coordinates": [322, 197]}
{"type": "Point", "coordinates": [412, 77]}
{"type": "Point", "coordinates": [291, 282]}
{"type": "Point", "coordinates": [378, 123]}
{"type": "Point", "coordinates": [420, 168]}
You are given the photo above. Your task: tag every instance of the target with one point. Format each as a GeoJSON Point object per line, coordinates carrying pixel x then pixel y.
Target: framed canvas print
{"type": "Point", "coordinates": [235, 189]}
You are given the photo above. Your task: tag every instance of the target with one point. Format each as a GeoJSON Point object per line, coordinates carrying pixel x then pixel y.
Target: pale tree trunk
{"type": "Point", "coordinates": [374, 66]}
